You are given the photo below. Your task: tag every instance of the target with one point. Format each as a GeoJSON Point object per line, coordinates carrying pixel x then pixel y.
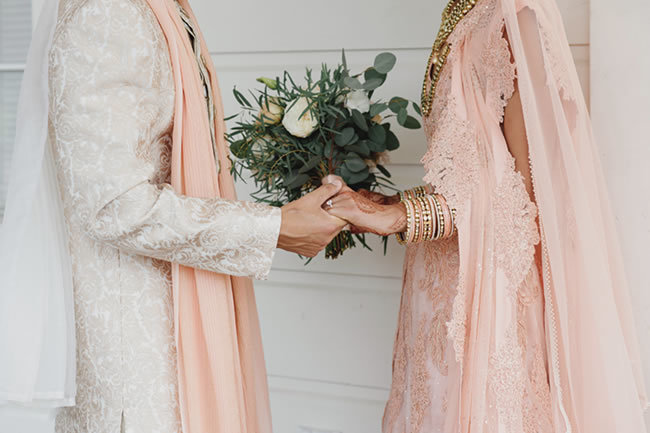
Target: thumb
{"type": "Point", "coordinates": [325, 192]}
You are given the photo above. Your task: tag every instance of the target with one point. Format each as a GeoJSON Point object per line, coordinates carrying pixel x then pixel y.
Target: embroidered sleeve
{"type": "Point", "coordinates": [110, 128]}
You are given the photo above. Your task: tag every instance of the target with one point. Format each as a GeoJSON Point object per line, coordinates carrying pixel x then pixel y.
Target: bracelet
{"type": "Point", "coordinates": [449, 227]}
{"type": "Point", "coordinates": [417, 217]}
{"type": "Point", "coordinates": [403, 238]}
{"type": "Point", "coordinates": [440, 218]}
{"type": "Point", "coordinates": [427, 218]}
{"type": "Point", "coordinates": [414, 193]}
{"type": "Point", "coordinates": [434, 219]}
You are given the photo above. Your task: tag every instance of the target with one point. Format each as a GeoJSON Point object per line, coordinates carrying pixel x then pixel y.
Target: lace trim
{"type": "Point", "coordinates": [499, 72]}
{"type": "Point", "coordinates": [516, 232]}
{"type": "Point", "coordinates": [559, 66]}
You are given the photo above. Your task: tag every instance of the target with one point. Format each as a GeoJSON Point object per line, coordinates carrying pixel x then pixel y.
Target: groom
{"type": "Point", "coordinates": [166, 329]}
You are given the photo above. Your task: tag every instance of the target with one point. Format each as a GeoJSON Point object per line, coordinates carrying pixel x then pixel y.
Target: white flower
{"type": "Point", "coordinates": [358, 100]}
{"type": "Point", "coordinates": [271, 112]}
{"type": "Point", "coordinates": [299, 125]}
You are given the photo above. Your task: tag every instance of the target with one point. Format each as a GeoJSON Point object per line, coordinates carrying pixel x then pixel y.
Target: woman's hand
{"type": "Point", "coordinates": [366, 212]}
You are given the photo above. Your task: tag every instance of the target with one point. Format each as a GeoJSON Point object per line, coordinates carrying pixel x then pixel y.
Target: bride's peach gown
{"type": "Point", "coordinates": [513, 326]}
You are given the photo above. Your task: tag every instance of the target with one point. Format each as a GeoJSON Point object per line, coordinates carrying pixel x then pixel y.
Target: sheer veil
{"type": "Point", "coordinates": [37, 359]}
{"type": "Point", "coordinates": [595, 364]}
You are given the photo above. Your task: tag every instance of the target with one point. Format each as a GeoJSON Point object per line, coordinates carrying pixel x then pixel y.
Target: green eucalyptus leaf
{"type": "Point", "coordinates": [397, 104]}
{"type": "Point", "coordinates": [417, 109]}
{"type": "Point", "coordinates": [385, 62]}
{"type": "Point", "coordinates": [354, 163]}
{"type": "Point", "coordinates": [401, 116]}
{"type": "Point", "coordinates": [377, 133]}
{"type": "Point", "coordinates": [372, 83]}
{"type": "Point", "coordinates": [353, 83]}
{"type": "Point", "coordinates": [358, 177]}
{"type": "Point", "coordinates": [328, 149]}
{"type": "Point", "coordinates": [411, 123]}
{"type": "Point", "coordinates": [344, 137]}
{"type": "Point", "coordinates": [360, 148]}
{"type": "Point", "coordinates": [359, 120]}
{"type": "Point", "coordinates": [371, 73]}
{"type": "Point", "coordinates": [377, 108]}
{"type": "Point", "coordinates": [383, 170]}
{"type": "Point", "coordinates": [376, 147]}
{"type": "Point", "coordinates": [344, 173]}
{"type": "Point", "coordinates": [392, 142]}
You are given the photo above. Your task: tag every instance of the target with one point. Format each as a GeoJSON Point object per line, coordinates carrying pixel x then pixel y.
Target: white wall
{"type": "Point", "coordinates": [328, 328]}
{"type": "Point", "coordinates": [620, 108]}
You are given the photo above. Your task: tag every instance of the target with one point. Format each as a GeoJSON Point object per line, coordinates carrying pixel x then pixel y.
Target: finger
{"type": "Point", "coordinates": [340, 214]}
{"type": "Point", "coordinates": [324, 193]}
{"type": "Point", "coordinates": [342, 197]}
{"type": "Point", "coordinates": [331, 178]}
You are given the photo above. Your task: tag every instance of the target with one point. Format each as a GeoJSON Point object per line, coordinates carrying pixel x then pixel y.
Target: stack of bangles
{"type": "Point", "coordinates": [428, 216]}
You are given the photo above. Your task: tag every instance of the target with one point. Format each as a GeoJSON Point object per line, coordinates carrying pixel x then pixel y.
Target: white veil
{"type": "Point", "coordinates": [37, 346]}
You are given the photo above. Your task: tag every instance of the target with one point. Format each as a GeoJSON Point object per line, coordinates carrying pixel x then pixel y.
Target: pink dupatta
{"type": "Point", "coordinates": [221, 371]}
{"type": "Point", "coordinates": [594, 364]}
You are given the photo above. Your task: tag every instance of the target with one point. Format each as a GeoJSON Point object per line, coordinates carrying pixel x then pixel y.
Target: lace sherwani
{"type": "Point", "coordinates": [512, 394]}
{"type": "Point", "coordinates": [111, 109]}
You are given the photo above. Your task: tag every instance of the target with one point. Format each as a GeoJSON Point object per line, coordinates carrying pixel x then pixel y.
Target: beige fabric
{"type": "Point", "coordinates": [111, 115]}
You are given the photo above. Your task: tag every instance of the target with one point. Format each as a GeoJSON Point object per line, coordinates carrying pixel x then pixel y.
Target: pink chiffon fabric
{"type": "Point", "coordinates": [222, 375]}
{"type": "Point", "coordinates": [522, 323]}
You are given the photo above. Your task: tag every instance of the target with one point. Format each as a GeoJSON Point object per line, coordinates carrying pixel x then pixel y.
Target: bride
{"type": "Point", "coordinates": [515, 314]}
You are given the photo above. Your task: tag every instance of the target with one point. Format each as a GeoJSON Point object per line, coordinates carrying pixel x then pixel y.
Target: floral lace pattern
{"type": "Point", "coordinates": [111, 112]}
{"type": "Point", "coordinates": [516, 232]}
{"type": "Point", "coordinates": [432, 329]}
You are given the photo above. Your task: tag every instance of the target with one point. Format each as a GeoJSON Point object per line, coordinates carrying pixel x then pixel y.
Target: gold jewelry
{"type": "Point", "coordinates": [417, 220]}
{"type": "Point", "coordinates": [439, 217]}
{"type": "Point", "coordinates": [404, 238]}
{"type": "Point", "coordinates": [427, 217]}
{"type": "Point", "coordinates": [453, 221]}
{"type": "Point", "coordinates": [434, 219]}
{"type": "Point", "coordinates": [453, 13]}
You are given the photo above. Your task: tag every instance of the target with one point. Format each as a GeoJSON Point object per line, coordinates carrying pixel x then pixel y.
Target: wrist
{"type": "Point", "coordinates": [397, 218]}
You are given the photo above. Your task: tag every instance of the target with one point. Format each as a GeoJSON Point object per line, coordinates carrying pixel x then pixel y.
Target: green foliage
{"type": "Point", "coordinates": [345, 141]}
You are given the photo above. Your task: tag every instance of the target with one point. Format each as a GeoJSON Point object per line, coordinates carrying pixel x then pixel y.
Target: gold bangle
{"type": "Point", "coordinates": [417, 221]}
{"type": "Point", "coordinates": [427, 217]}
{"type": "Point", "coordinates": [439, 218]}
{"type": "Point", "coordinates": [403, 238]}
{"type": "Point", "coordinates": [434, 220]}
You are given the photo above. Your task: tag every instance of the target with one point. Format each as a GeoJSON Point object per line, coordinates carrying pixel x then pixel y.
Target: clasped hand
{"type": "Point", "coordinates": [311, 222]}
{"type": "Point", "coordinates": [366, 211]}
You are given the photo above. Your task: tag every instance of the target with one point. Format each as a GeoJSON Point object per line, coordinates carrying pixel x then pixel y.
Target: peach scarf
{"type": "Point", "coordinates": [221, 371]}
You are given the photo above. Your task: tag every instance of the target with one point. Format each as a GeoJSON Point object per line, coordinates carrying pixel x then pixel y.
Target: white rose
{"type": "Point", "coordinates": [358, 100]}
{"type": "Point", "coordinates": [297, 125]}
{"type": "Point", "coordinates": [271, 112]}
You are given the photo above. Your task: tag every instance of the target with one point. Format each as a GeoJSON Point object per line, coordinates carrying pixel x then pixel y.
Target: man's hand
{"type": "Point", "coordinates": [306, 228]}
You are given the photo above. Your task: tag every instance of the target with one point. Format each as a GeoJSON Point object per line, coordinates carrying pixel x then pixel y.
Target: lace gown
{"type": "Point", "coordinates": [515, 394]}
{"type": "Point", "coordinates": [111, 112]}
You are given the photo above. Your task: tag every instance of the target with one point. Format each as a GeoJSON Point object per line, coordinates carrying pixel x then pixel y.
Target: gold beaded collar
{"type": "Point", "coordinates": [453, 13]}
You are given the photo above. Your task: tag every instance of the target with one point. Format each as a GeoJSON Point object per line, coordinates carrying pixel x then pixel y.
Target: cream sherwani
{"type": "Point", "coordinates": [111, 112]}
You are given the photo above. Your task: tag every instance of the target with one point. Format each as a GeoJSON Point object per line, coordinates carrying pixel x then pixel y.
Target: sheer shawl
{"type": "Point", "coordinates": [594, 364]}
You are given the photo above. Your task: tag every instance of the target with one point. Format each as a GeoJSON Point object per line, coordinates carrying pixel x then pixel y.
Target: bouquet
{"type": "Point", "coordinates": [290, 136]}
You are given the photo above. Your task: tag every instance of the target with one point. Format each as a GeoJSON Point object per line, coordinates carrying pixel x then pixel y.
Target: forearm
{"type": "Point", "coordinates": [232, 237]}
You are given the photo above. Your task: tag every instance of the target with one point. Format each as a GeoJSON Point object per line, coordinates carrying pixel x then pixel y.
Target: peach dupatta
{"type": "Point", "coordinates": [221, 371]}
